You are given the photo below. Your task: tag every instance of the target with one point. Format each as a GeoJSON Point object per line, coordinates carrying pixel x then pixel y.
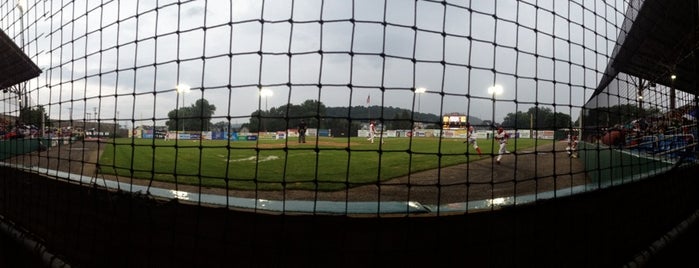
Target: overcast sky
{"type": "Point", "coordinates": [550, 53]}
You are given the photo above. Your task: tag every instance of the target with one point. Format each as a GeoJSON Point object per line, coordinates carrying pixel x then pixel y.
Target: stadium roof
{"type": "Point", "coordinates": [15, 66]}
{"type": "Point", "coordinates": [658, 38]}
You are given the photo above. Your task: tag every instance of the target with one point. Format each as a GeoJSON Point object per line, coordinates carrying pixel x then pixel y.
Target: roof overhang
{"type": "Point", "coordinates": [15, 66]}
{"type": "Point", "coordinates": [658, 38]}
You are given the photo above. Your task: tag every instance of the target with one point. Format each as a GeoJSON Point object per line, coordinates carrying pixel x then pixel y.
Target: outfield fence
{"type": "Point", "coordinates": [473, 106]}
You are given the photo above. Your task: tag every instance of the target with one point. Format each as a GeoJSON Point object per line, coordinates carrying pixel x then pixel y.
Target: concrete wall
{"type": "Point", "coordinates": [90, 227]}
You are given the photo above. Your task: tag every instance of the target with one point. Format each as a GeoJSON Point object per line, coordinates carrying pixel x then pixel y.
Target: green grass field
{"type": "Point", "coordinates": [324, 164]}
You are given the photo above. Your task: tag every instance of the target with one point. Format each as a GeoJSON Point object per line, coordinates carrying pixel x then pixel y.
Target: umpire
{"type": "Point", "coordinates": [302, 131]}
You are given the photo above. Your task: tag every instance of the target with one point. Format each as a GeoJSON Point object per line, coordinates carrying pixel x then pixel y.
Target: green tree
{"type": "Point", "coordinates": [254, 124]}
{"type": "Point", "coordinates": [342, 121]}
{"type": "Point", "coordinates": [288, 117]}
{"type": "Point", "coordinates": [341, 127]}
{"type": "Point", "coordinates": [558, 120]}
{"type": "Point", "coordinates": [538, 118]}
{"type": "Point", "coordinates": [196, 117]}
{"type": "Point", "coordinates": [401, 121]}
{"type": "Point", "coordinates": [33, 116]}
{"type": "Point", "coordinates": [518, 120]}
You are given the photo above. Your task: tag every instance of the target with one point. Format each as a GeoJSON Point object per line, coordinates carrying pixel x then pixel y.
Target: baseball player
{"type": "Point", "coordinates": [501, 137]}
{"type": "Point", "coordinates": [302, 131]}
{"type": "Point", "coordinates": [372, 133]}
{"type": "Point", "coordinates": [471, 138]}
{"type": "Point", "coordinates": [572, 148]}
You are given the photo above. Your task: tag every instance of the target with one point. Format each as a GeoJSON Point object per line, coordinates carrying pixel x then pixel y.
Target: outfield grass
{"type": "Point", "coordinates": [325, 164]}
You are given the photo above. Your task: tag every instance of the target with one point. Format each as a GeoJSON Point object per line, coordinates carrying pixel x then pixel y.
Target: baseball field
{"type": "Point", "coordinates": [323, 164]}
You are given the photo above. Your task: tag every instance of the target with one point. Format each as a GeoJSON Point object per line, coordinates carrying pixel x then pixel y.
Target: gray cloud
{"type": "Point", "coordinates": [61, 54]}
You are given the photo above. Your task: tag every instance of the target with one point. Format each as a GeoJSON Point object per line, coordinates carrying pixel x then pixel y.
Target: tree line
{"type": "Point", "coordinates": [342, 121]}
{"type": "Point", "coordinates": [537, 118]}
{"type": "Point", "coordinates": [196, 117]}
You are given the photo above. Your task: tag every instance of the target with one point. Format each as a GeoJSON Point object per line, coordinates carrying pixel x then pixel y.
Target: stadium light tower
{"type": "Point", "coordinates": [419, 91]}
{"type": "Point", "coordinates": [672, 91]}
{"type": "Point", "coordinates": [181, 90]}
{"type": "Point", "coordinates": [493, 91]}
{"type": "Point", "coordinates": [266, 93]}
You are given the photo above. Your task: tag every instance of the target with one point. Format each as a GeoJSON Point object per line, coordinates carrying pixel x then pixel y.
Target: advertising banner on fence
{"type": "Point", "coordinates": [147, 134]}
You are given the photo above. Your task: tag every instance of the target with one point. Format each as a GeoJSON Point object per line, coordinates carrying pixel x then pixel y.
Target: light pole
{"type": "Point", "coordinates": [672, 92]}
{"type": "Point", "coordinates": [265, 93]}
{"type": "Point", "coordinates": [493, 91]}
{"type": "Point", "coordinates": [181, 90]}
{"type": "Point", "coordinates": [419, 92]}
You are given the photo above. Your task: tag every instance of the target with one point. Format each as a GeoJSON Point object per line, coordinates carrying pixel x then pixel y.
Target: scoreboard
{"type": "Point", "coordinates": [454, 122]}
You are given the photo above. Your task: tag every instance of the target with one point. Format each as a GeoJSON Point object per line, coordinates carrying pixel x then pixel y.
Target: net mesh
{"type": "Point", "coordinates": [204, 101]}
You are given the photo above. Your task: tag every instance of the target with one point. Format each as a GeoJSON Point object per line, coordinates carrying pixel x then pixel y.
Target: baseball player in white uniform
{"type": "Point", "coordinates": [471, 138]}
{"type": "Point", "coordinates": [501, 137]}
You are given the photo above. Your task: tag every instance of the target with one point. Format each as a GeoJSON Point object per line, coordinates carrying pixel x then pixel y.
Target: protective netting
{"type": "Point", "coordinates": [404, 104]}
